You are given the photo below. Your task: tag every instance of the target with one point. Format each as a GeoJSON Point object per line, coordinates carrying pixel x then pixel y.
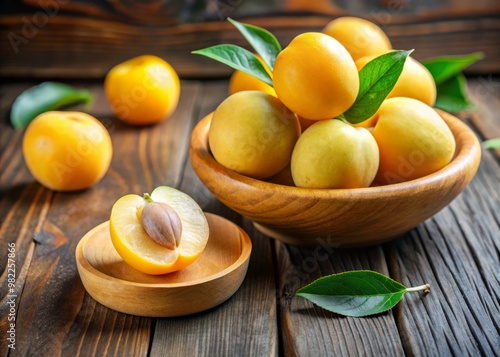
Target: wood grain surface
{"type": "Point", "coordinates": [456, 251]}
{"type": "Point", "coordinates": [86, 38]}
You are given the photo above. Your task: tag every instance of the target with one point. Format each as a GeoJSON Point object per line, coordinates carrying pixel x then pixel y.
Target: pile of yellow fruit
{"type": "Point", "coordinates": [295, 128]}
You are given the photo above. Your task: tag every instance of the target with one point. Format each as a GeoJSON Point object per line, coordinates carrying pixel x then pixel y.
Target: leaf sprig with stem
{"type": "Point", "coordinates": [357, 293]}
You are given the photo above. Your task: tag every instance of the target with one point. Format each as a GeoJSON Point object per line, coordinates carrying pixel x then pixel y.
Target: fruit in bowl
{"type": "Point", "coordinates": [253, 133]}
{"type": "Point", "coordinates": [338, 217]}
{"type": "Point", "coordinates": [413, 140]}
{"type": "Point", "coordinates": [365, 169]}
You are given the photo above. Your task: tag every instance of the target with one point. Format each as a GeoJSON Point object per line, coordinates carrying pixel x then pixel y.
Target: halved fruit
{"type": "Point", "coordinates": [140, 250]}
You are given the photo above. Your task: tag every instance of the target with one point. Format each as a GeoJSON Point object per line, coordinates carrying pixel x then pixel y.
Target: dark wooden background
{"type": "Point", "coordinates": [85, 38]}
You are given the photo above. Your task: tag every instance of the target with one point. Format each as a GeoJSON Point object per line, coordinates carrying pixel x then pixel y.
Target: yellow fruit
{"type": "Point", "coordinates": [241, 81]}
{"type": "Point", "coordinates": [253, 133]}
{"type": "Point", "coordinates": [143, 90]}
{"type": "Point", "coordinates": [67, 151]}
{"type": "Point", "coordinates": [136, 246]}
{"type": "Point", "coordinates": [360, 37]}
{"type": "Point", "coordinates": [316, 77]}
{"type": "Point", "coordinates": [415, 81]}
{"type": "Point", "coordinates": [413, 140]}
{"type": "Point", "coordinates": [334, 154]}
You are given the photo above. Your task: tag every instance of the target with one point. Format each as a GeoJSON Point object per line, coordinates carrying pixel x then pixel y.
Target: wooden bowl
{"type": "Point", "coordinates": [338, 217]}
{"type": "Point", "coordinates": [209, 281]}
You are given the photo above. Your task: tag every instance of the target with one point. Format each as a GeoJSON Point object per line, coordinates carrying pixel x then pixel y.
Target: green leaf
{"type": "Point", "coordinates": [451, 94]}
{"type": "Point", "coordinates": [356, 293]}
{"type": "Point", "coordinates": [491, 143]}
{"type": "Point", "coordinates": [445, 67]}
{"type": "Point", "coordinates": [262, 41]}
{"type": "Point", "coordinates": [376, 80]}
{"type": "Point", "coordinates": [238, 58]}
{"type": "Point", "coordinates": [42, 98]}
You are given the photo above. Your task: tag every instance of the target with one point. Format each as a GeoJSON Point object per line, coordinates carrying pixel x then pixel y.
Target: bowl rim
{"type": "Point", "coordinates": [467, 154]}
{"type": "Point", "coordinates": [83, 263]}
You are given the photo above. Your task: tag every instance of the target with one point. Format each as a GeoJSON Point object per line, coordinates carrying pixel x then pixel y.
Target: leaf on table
{"type": "Point", "coordinates": [238, 58]}
{"type": "Point", "coordinates": [376, 80]}
{"type": "Point", "coordinates": [354, 293]}
{"type": "Point", "coordinates": [262, 41]}
{"type": "Point", "coordinates": [42, 98]}
{"type": "Point", "coordinates": [451, 94]}
{"type": "Point", "coordinates": [445, 67]}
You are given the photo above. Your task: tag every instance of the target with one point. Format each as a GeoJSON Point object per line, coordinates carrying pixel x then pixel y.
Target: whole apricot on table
{"type": "Point", "coordinates": [158, 233]}
{"type": "Point", "coordinates": [359, 36]}
{"type": "Point", "coordinates": [67, 151]}
{"type": "Point", "coordinates": [334, 154]}
{"type": "Point", "coordinates": [316, 77]}
{"type": "Point", "coordinates": [415, 81]}
{"type": "Point", "coordinates": [414, 141]}
{"type": "Point", "coordinates": [143, 90]}
{"type": "Point", "coordinates": [240, 81]}
{"type": "Point", "coordinates": [253, 133]}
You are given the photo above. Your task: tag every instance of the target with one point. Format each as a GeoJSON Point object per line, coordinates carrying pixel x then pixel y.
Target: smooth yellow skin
{"type": "Point", "coordinates": [316, 77]}
{"type": "Point", "coordinates": [67, 151]}
{"type": "Point", "coordinates": [334, 154]}
{"type": "Point", "coordinates": [143, 90]}
{"type": "Point", "coordinates": [359, 36]}
{"type": "Point", "coordinates": [414, 141]}
{"type": "Point", "coordinates": [253, 133]}
{"type": "Point", "coordinates": [415, 81]}
{"type": "Point", "coordinates": [142, 253]}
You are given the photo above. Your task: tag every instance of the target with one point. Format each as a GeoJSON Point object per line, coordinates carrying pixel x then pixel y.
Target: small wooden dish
{"type": "Point", "coordinates": [209, 281]}
{"type": "Point", "coordinates": [338, 217]}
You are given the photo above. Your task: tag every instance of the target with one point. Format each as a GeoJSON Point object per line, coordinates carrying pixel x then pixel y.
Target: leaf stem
{"type": "Point", "coordinates": [426, 288]}
{"type": "Point", "coordinates": [148, 198]}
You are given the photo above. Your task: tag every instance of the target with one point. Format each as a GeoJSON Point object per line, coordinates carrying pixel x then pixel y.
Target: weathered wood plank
{"type": "Point", "coordinates": [225, 330]}
{"type": "Point", "coordinates": [83, 39]}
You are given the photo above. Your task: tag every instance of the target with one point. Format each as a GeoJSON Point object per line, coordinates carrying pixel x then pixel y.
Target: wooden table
{"type": "Point", "coordinates": [456, 252]}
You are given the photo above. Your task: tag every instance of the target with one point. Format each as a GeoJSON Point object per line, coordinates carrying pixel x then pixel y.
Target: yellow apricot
{"type": "Point", "coordinates": [359, 36]}
{"type": "Point", "coordinates": [413, 140]}
{"type": "Point", "coordinates": [143, 90]}
{"type": "Point", "coordinates": [334, 154]}
{"type": "Point", "coordinates": [67, 151]}
{"type": "Point", "coordinates": [253, 133]}
{"type": "Point", "coordinates": [137, 248]}
{"type": "Point", "coordinates": [316, 77]}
